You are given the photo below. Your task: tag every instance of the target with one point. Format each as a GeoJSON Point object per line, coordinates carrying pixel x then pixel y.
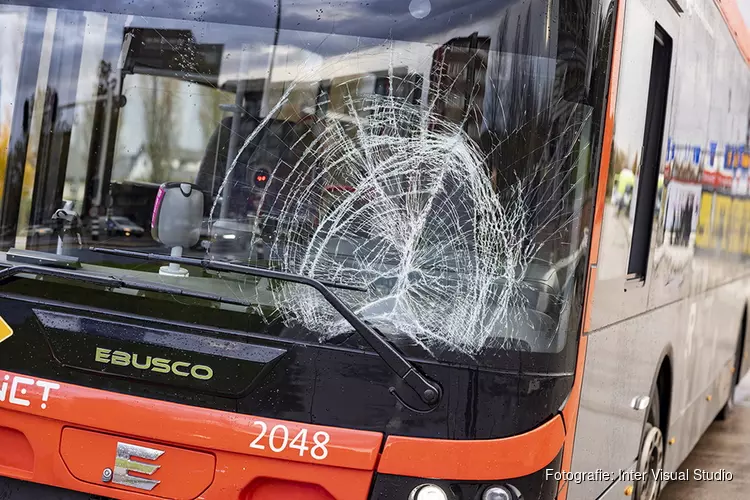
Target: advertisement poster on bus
{"type": "Point", "coordinates": [740, 172]}
{"type": "Point", "coordinates": [682, 206]}
{"type": "Point", "coordinates": [724, 223]}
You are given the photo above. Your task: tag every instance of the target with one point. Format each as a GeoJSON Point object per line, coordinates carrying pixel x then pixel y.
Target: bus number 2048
{"type": "Point", "coordinates": [279, 439]}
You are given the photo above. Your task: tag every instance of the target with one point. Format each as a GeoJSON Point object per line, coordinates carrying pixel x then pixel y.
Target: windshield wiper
{"type": "Point", "coordinates": [112, 282]}
{"type": "Point", "coordinates": [428, 391]}
{"type": "Point", "coordinates": [213, 265]}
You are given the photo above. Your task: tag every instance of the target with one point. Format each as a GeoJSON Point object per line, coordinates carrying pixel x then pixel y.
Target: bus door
{"type": "Point", "coordinates": [622, 352]}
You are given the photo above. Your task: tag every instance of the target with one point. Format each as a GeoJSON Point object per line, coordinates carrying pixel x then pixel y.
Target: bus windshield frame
{"type": "Point", "coordinates": [419, 174]}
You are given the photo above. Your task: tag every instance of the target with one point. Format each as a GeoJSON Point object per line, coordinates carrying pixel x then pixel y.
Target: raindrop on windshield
{"type": "Point", "coordinates": [420, 8]}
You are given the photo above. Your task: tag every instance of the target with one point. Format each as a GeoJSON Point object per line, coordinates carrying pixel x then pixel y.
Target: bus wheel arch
{"type": "Point", "coordinates": [664, 383]}
{"type": "Point", "coordinates": [652, 449]}
{"type": "Point", "coordinates": [661, 388]}
{"type": "Point", "coordinates": [726, 410]}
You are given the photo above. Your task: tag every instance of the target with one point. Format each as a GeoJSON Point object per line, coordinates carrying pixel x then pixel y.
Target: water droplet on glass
{"type": "Point", "coordinates": [420, 8]}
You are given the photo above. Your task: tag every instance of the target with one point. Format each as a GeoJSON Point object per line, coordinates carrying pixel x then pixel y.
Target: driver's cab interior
{"type": "Point", "coordinates": [154, 87]}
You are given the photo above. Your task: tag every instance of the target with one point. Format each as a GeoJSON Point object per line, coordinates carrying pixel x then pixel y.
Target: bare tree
{"type": "Point", "coordinates": [162, 126]}
{"type": "Point", "coordinates": [210, 114]}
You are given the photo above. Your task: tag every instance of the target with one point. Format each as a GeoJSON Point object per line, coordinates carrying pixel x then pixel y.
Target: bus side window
{"type": "Point", "coordinates": [652, 147]}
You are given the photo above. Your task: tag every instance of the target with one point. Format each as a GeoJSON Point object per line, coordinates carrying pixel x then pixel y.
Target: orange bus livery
{"type": "Point", "coordinates": [285, 250]}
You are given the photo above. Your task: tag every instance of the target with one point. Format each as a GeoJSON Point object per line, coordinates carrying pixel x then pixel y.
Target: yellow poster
{"type": "Point", "coordinates": [721, 223]}
{"type": "Point", "coordinates": [735, 225]}
{"type": "Point", "coordinates": [745, 227]}
{"type": "Point", "coordinates": [703, 237]}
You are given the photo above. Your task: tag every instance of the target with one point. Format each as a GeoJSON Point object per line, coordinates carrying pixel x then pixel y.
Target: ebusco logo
{"type": "Point", "coordinates": [157, 365]}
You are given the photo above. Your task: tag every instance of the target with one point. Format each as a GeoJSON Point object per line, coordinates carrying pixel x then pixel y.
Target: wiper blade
{"type": "Point", "coordinates": [427, 390]}
{"type": "Point", "coordinates": [113, 282]}
{"type": "Point", "coordinates": [213, 265]}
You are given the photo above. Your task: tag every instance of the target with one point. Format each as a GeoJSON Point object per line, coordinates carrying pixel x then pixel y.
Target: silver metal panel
{"type": "Point", "coordinates": [616, 299]}
{"type": "Point", "coordinates": [620, 365]}
{"type": "Point", "coordinates": [705, 353]}
{"type": "Point", "coordinates": [691, 303]}
{"type": "Point", "coordinates": [618, 490]}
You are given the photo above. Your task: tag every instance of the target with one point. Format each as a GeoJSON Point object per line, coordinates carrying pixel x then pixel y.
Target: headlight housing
{"type": "Point", "coordinates": [428, 492]}
{"type": "Point", "coordinates": [502, 492]}
{"type": "Point", "coordinates": [539, 485]}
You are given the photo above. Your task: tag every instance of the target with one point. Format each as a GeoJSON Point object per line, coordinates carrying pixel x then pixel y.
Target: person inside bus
{"type": "Point", "coordinates": [271, 151]}
{"type": "Point", "coordinates": [259, 183]}
{"type": "Point", "coordinates": [213, 166]}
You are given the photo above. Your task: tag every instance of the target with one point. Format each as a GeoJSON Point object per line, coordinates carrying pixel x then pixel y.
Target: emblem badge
{"type": "Point", "coordinates": [124, 465]}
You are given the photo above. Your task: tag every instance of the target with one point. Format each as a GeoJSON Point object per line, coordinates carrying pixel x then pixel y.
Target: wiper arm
{"type": "Point", "coordinates": [428, 391]}
{"type": "Point", "coordinates": [112, 282]}
{"type": "Point", "coordinates": [212, 265]}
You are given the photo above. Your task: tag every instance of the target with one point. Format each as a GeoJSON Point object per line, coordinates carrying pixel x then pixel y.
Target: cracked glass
{"type": "Point", "coordinates": [438, 155]}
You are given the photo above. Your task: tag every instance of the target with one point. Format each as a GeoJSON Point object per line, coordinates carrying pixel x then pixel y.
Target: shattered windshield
{"type": "Point", "coordinates": [436, 154]}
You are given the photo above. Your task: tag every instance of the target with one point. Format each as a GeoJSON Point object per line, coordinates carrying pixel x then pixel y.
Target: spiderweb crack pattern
{"type": "Point", "coordinates": [396, 199]}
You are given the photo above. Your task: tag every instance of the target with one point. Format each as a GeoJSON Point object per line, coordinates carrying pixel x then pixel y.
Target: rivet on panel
{"type": "Point", "coordinates": [708, 398]}
{"type": "Point", "coordinates": [629, 491]}
{"type": "Point", "coordinates": [672, 441]}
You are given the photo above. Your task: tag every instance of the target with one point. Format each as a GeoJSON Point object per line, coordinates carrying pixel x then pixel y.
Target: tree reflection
{"type": "Point", "coordinates": [161, 126]}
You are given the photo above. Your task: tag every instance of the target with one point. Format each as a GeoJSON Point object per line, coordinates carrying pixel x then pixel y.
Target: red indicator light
{"type": "Point", "coordinates": [261, 177]}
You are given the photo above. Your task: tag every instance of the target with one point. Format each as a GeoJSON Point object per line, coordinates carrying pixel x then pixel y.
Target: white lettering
{"type": "Point", "coordinates": [320, 451]}
{"type": "Point", "coordinates": [16, 390]}
{"type": "Point", "coordinates": [47, 386]}
{"type": "Point", "coordinates": [14, 387]}
{"type": "Point", "coordinates": [278, 441]}
{"type": "Point", "coordinates": [255, 444]}
{"type": "Point", "coordinates": [4, 388]}
{"type": "Point", "coordinates": [631, 475]}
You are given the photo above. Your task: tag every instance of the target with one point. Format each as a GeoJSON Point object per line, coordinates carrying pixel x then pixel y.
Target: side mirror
{"type": "Point", "coordinates": [176, 220]}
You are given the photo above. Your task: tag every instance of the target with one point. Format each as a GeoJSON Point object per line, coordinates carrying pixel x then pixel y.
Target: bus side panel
{"type": "Point", "coordinates": [626, 343]}
{"type": "Point", "coordinates": [689, 307]}
{"type": "Point", "coordinates": [620, 363]}
{"type": "Point", "coordinates": [703, 356]}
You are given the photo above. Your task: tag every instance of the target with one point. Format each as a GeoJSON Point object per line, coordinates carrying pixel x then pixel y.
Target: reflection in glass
{"type": "Point", "coordinates": [447, 175]}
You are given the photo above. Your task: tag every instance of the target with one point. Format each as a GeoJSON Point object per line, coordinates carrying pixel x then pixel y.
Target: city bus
{"type": "Point", "coordinates": [368, 250]}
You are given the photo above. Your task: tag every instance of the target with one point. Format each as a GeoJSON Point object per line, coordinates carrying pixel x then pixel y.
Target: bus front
{"type": "Point", "coordinates": [274, 249]}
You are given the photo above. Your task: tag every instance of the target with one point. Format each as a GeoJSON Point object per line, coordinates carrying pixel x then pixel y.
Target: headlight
{"type": "Point", "coordinates": [428, 492]}
{"type": "Point", "coordinates": [497, 493]}
{"type": "Point", "coordinates": [501, 493]}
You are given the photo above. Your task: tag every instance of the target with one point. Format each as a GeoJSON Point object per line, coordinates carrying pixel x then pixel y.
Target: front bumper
{"type": "Point", "coordinates": [68, 436]}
